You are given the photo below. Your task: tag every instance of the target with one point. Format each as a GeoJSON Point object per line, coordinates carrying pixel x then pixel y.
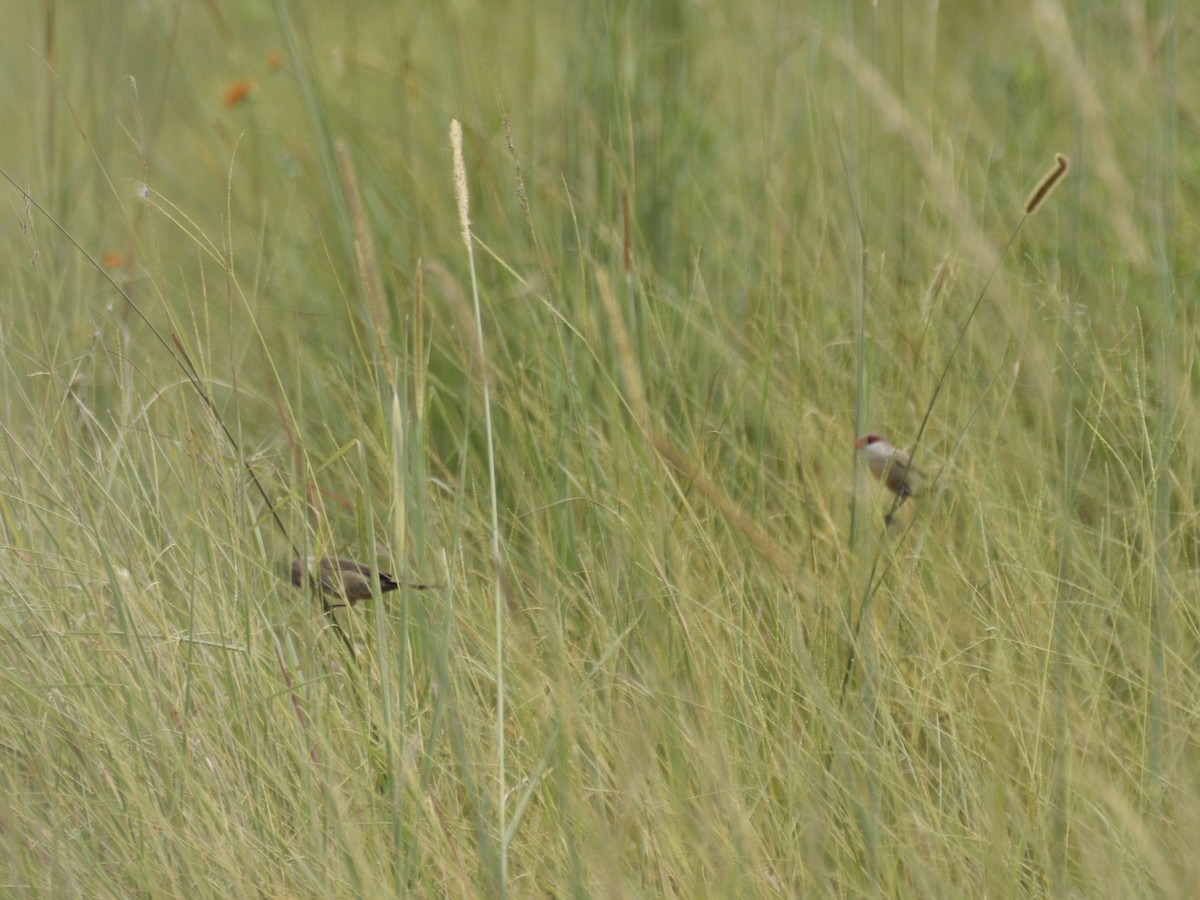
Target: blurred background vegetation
{"type": "Point", "coordinates": [712, 243]}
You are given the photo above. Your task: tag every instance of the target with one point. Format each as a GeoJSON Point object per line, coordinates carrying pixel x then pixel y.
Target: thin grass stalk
{"type": "Point", "coordinates": [1036, 198]}
{"type": "Point", "coordinates": [1168, 263]}
{"type": "Point", "coordinates": [462, 200]}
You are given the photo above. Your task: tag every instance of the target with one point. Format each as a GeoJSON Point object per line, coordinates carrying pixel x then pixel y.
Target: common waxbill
{"type": "Point", "coordinates": [344, 578]}
{"type": "Point", "coordinates": [892, 466]}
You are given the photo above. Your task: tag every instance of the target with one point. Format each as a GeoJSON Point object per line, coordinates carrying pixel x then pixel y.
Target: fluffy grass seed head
{"type": "Point", "coordinates": [460, 182]}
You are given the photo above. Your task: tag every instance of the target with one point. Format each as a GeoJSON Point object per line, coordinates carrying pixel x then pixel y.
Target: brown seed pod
{"type": "Point", "coordinates": [1047, 184]}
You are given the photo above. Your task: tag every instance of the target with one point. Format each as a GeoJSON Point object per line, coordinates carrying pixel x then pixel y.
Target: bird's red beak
{"type": "Point", "coordinates": [860, 443]}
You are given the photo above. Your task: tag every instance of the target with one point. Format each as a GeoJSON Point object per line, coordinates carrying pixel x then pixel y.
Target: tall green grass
{"type": "Point", "coordinates": [708, 245]}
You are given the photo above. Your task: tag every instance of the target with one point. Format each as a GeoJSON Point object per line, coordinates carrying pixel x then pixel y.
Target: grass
{"type": "Point", "coordinates": [710, 245]}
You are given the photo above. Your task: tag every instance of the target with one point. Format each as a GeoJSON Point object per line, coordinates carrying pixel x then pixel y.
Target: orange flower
{"type": "Point", "coordinates": [274, 60]}
{"type": "Point", "coordinates": [111, 259]}
{"type": "Point", "coordinates": [237, 92]}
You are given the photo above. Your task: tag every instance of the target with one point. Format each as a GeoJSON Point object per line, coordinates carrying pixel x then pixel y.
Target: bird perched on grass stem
{"type": "Point", "coordinates": [893, 467]}
{"type": "Point", "coordinates": [344, 579]}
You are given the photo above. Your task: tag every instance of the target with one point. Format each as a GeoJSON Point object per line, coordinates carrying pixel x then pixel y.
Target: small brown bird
{"type": "Point", "coordinates": [892, 466]}
{"type": "Point", "coordinates": [344, 578]}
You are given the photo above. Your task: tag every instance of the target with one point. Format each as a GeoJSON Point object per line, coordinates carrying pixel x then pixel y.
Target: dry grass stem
{"type": "Point", "coordinates": [364, 256]}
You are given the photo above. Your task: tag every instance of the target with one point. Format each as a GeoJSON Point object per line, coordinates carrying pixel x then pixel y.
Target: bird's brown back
{"type": "Point", "coordinates": [344, 578]}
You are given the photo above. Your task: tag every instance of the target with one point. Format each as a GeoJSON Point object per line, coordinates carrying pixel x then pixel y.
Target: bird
{"type": "Point", "coordinates": [893, 467]}
{"type": "Point", "coordinates": [344, 578]}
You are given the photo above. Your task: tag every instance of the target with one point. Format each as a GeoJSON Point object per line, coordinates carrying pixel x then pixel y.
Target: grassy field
{"type": "Point", "coordinates": [671, 649]}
